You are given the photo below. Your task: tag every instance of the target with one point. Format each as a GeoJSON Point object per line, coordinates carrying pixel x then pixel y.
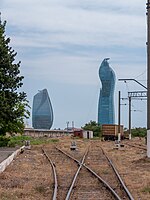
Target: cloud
{"type": "Point", "coordinates": [63, 23]}
{"type": "Point", "coordinates": [64, 42]}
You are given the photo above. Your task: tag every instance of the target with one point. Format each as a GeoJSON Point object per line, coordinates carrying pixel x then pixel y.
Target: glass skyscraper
{"type": "Point", "coordinates": [106, 111]}
{"type": "Point", "coordinates": [42, 112]}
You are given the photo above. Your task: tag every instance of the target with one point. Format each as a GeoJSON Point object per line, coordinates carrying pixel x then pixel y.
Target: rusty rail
{"type": "Point", "coordinates": [54, 174]}
{"type": "Point", "coordinates": [75, 177]}
{"type": "Point", "coordinates": [104, 183]}
{"type": "Point", "coordinates": [119, 177]}
{"type": "Point", "coordinates": [90, 170]}
{"type": "Point", "coordinates": [137, 146]}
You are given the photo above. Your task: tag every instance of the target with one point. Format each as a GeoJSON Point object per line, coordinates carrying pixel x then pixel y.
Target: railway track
{"type": "Point", "coordinates": [65, 168]}
{"type": "Point", "coordinates": [103, 166]}
{"type": "Point", "coordinates": [142, 147]}
{"type": "Point", "coordinates": [54, 175]}
{"type": "Point", "coordinates": [82, 176]}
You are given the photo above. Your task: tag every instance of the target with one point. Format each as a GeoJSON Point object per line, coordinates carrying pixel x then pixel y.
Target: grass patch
{"type": "Point", "coordinates": [95, 138]}
{"type": "Point", "coordinates": [9, 196]}
{"type": "Point", "coordinates": [54, 140]}
{"type": "Point", "coordinates": [105, 171]}
{"type": "Point", "coordinates": [20, 140]}
{"type": "Point", "coordinates": [146, 190]}
{"type": "Point", "coordinates": [41, 189]}
{"type": "Point", "coordinates": [38, 141]}
{"type": "Point", "coordinates": [76, 137]}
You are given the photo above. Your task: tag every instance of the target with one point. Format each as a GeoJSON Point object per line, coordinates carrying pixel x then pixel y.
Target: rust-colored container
{"type": "Point", "coordinates": [78, 133]}
{"type": "Point", "coordinates": [110, 131]}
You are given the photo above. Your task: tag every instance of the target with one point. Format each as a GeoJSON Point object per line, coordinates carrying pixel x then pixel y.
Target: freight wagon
{"type": "Point", "coordinates": [110, 131]}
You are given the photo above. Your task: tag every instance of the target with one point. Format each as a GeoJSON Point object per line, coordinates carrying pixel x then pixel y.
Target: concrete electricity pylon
{"type": "Point", "coordinates": [148, 77]}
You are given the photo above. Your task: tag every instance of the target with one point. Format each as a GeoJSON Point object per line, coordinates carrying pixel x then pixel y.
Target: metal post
{"type": "Point", "coordinates": [119, 94]}
{"type": "Point", "coordinates": [148, 78]}
{"type": "Point", "coordinates": [72, 125]}
{"type": "Point", "coordinates": [129, 118]}
{"type": "Point", "coordinates": [67, 127]}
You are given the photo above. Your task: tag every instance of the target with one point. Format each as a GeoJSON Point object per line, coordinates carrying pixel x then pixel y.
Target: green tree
{"type": "Point", "coordinates": [13, 104]}
{"type": "Point", "coordinates": [139, 132]}
{"type": "Point", "coordinates": [93, 126]}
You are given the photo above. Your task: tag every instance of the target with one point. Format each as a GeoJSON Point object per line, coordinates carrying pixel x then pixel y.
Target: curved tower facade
{"type": "Point", "coordinates": [42, 112]}
{"type": "Point", "coordinates": [106, 111]}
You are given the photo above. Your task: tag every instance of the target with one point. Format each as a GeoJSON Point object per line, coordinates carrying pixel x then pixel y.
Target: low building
{"type": "Point", "coordinates": [45, 133]}
{"type": "Point", "coordinates": [87, 134]}
{"type": "Point", "coordinates": [78, 132]}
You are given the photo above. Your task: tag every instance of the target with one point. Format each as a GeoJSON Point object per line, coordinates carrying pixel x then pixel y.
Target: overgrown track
{"type": "Point", "coordinates": [84, 185]}
{"type": "Point", "coordinates": [142, 147]}
{"type": "Point", "coordinates": [100, 163]}
{"type": "Point", "coordinates": [103, 166]}
{"type": "Point", "coordinates": [54, 175]}
{"type": "Point", "coordinates": [65, 168]}
{"type": "Point", "coordinates": [123, 186]}
{"type": "Point", "coordinates": [92, 186]}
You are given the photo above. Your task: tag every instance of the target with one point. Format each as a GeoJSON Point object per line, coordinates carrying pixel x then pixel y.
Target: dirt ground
{"type": "Point", "coordinates": [133, 166]}
{"type": "Point", "coordinates": [29, 176]}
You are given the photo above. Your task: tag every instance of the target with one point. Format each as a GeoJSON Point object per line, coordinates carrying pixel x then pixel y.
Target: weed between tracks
{"type": "Point", "coordinates": [41, 189]}
{"type": "Point", "coordinates": [29, 176]}
{"type": "Point", "coordinates": [146, 190]}
{"type": "Point", "coordinates": [105, 171]}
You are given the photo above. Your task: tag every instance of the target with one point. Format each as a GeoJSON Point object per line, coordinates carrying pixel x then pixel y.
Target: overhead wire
{"type": "Point", "coordinates": [140, 74]}
{"type": "Point", "coordinates": [144, 80]}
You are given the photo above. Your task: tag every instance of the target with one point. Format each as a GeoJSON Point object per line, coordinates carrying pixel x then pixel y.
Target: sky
{"type": "Point", "coordinates": [61, 45]}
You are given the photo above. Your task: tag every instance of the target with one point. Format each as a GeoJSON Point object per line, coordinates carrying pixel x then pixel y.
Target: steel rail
{"type": "Point", "coordinates": [54, 174]}
{"type": "Point", "coordinates": [94, 173]}
{"type": "Point", "coordinates": [77, 161]}
{"type": "Point", "coordinates": [137, 146]}
{"type": "Point", "coordinates": [119, 177]}
{"type": "Point", "coordinates": [75, 177]}
{"type": "Point", "coordinates": [104, 182]}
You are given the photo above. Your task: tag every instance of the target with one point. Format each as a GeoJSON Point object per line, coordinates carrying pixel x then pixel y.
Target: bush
{"type": "Point", "coordinates": [4, 141]}
{"type": "Point", "coordinates": [18, 140]}
{"type": "Point", "coordinates": [139, 132]}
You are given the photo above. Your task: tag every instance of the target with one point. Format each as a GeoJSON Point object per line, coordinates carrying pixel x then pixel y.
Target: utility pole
{"type": "Point", "coordinates": [67, 127]}
{"type": "Point", "coordinates": [129, 118]}
{"type": "Point", "coordinates": [72, 125]}
{"type": "Point", "coordinates": [148, 77]}
{"type": "Point", "coordinates": [119, 104]}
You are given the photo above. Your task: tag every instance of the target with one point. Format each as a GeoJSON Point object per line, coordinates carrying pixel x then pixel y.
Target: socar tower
{"type": "Point", "coordinates": [106, 110]}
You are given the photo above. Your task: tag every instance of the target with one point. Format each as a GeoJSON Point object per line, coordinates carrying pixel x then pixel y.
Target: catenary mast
{"type": "Point", "coordinates": [148, 78]}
